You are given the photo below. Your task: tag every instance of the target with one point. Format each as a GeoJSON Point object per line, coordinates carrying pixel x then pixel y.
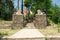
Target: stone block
{"type": "Point", "coordinates": [17, 20]}
{"type": "Point", "coordinates": [40, 21]}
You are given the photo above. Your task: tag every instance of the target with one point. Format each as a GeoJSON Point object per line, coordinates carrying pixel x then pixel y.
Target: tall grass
{"type": "Point", "coordinates": [58, 27]}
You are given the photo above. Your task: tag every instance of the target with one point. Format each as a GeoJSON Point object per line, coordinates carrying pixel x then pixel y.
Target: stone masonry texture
{"type": "Point", "coordinates": [17, 21]}
{"type": "Point", "coordinates": [40, 21]}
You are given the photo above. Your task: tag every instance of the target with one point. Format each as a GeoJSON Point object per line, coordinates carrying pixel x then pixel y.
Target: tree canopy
{"type": "Point", "coordinates": [45, 6]}
{"type": "Point", "coordinates": [6, 9]}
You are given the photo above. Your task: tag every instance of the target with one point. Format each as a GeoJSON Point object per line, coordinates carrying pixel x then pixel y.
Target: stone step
{"type": "Point", "coordinates": [41, 38]}
{"type": "Point", "coordinates": [23, 39]}
{"type": "Point", "coordinates": [31, 34]}
{"type": "Point", "coordinates": [26, 34]}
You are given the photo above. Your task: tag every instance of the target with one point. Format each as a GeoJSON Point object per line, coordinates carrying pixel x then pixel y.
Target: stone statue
{"type": "Point", "coordinates": [19, 12]}
{"type": "Point", "coordinates": [39, 12]}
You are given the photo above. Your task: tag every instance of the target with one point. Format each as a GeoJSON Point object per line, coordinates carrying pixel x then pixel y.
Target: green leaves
{"type": "Point", "coordinates": [53, 12]}
{"type": "Point", "coordinates": [7, 9]}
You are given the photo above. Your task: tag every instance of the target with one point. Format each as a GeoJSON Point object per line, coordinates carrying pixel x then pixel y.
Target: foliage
{"type": "Point", "coordinates": [52, 11]}
{"type": "Point", "coordinates": [55, 11]}
{"type": "Point", "coordinates": [6, 9]}
{"type": "Point", "coordinates": [38, 4]}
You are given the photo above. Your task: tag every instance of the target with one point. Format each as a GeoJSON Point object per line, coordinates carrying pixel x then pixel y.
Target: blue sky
{"type": "Point", "coordinates": [15, 3]}
{"type": "Point", "coordinates": [56, 2]}
{"type": "Point", "coordinates": [53, 2]}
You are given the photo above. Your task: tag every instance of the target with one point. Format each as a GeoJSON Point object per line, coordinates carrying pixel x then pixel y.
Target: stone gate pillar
{"type": "Point", "coordinates": [40, 20]}
{"type": "Point", "coordinates": [17, 20]}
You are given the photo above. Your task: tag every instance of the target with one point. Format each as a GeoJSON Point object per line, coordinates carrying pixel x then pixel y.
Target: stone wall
{"type": "Point", "coordinates": [5, 24]}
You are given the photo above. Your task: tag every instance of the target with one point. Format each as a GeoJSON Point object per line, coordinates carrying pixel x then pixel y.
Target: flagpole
{"type": "Point", "coordinates": [18, 4]}
{"type": "Point", "coordinates": [22, 13]}
{"type": "Point", "coordinates": [22, 7]}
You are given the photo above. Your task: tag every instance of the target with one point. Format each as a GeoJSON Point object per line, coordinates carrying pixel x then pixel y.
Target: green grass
{"type": "Point", "coordinates": [1, 20]}
{"type": "Point", "coordinates": [49, 31]}
{"type": "Point", "coordinates": [58, 27]}
{"type": "Point", "coordinates": [7, 32]}
{"type": "Point", "coordinates": [58, 24]}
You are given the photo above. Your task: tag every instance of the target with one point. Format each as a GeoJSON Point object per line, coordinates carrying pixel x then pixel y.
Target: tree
{"type": "Point", "coordinates": [43, 5]}
{"type": "Point", "coordinates": [7, 9]}
{"type": "Point", "coordinates": [53, 12]}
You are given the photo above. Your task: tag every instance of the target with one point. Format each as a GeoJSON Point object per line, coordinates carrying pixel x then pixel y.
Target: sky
{"type": "Point", "coordinates": [53, 2]}
{"type": "Point", "coordinates": [15, 4]}
{"type": "Point", "coordinates": [56, 2]}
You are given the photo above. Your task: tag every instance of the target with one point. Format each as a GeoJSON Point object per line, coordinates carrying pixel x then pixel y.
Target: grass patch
{"type": "Point", "coordinates": [7, 32]}
{"type": "Point", "coordinates": [58, 24]}
{"type": "Point", "coordinates": [1, 20]}
{"type": "Point", "coordinates": [58, 27]}
{"type": "Point", "coordinates": [49, 31]}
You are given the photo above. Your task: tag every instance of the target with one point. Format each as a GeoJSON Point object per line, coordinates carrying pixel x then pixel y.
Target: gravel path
{"type": "Point", "coordinates": [30, 26]}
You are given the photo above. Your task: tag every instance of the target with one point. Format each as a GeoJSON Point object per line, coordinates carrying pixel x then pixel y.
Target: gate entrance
{"type": "Point", "coordinates": [39, 21]}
